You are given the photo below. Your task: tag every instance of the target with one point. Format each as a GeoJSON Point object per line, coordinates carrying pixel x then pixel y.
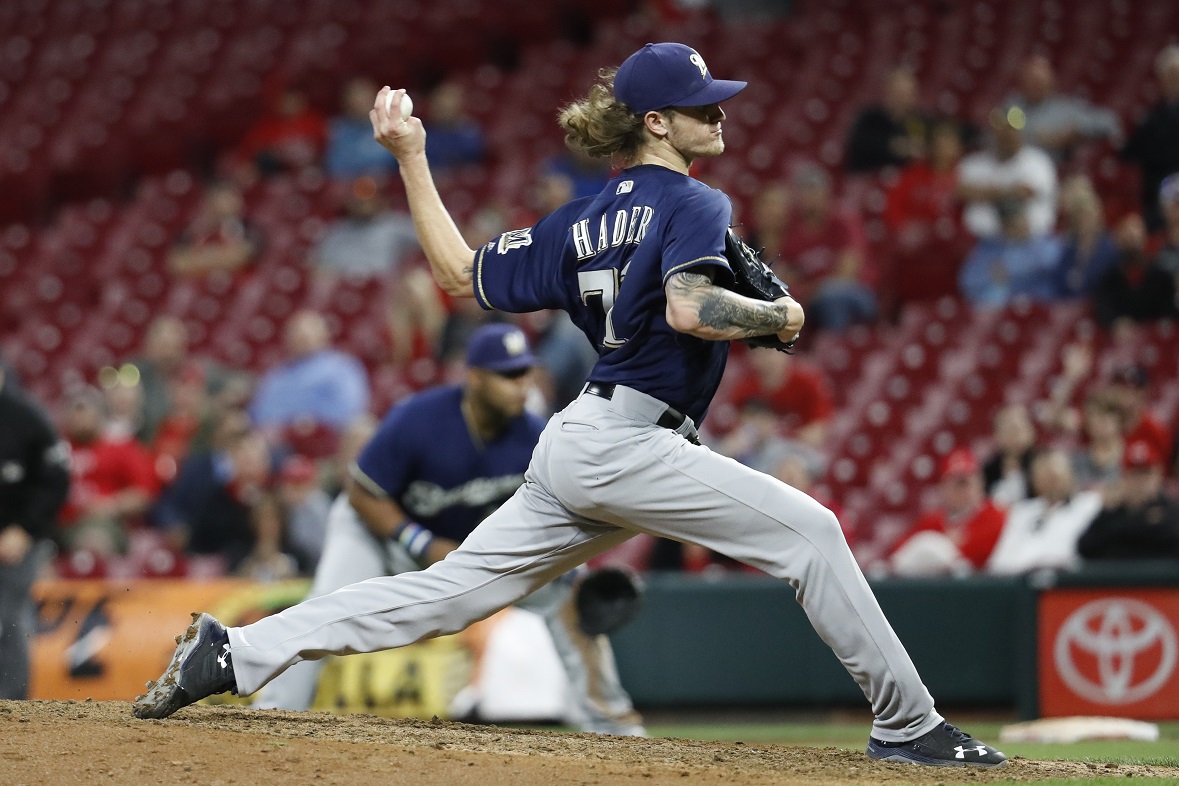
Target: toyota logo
{"type": "Point", "coordinates": [1122, 638]}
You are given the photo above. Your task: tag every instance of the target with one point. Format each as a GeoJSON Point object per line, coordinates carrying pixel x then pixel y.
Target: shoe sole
{"type": "Point", "coordinates": [899, 757]}
{"type": "Point", "coordinates": [159, 700]}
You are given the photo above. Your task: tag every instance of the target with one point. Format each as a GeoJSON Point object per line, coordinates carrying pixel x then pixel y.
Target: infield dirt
{"type": "Point", "coordinates": [73, 743]}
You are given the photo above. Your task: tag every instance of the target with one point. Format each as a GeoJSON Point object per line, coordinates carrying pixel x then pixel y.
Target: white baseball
{"type": "Point", "coordinates": [406, 105]}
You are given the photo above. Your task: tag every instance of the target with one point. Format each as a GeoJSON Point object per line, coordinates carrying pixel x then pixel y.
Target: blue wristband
{"type": "Point", "coordinates": [414, 538]}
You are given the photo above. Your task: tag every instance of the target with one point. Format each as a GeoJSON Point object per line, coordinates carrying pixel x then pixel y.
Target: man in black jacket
{"type": "Point", "coordinates": [34, 482]}
{"type": "Point", "coordinates": [891, 133]}
{"type": "Point", "coordinates": [1142, 523]}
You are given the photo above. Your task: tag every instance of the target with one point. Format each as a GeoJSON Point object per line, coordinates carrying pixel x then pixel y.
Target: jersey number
{"type": "Point", "coordinates": [603, 284]}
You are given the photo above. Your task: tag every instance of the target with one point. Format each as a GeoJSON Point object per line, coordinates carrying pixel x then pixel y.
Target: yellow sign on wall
{"type": "Point", "coordinates": [104, 640]}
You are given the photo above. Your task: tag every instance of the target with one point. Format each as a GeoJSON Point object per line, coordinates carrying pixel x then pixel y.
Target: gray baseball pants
{"type": "Point", "coordinates": [602, 472]}
{"type": "Point", "coordinates": [18, 619]}
{"type": "Point", "coordinates": [351, 553]}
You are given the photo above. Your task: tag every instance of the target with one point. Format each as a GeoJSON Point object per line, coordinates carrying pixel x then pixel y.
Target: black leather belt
{"type": "Point", "coordinates": [671, 418]}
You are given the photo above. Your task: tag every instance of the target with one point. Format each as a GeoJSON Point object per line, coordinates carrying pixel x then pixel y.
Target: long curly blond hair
{"type": "Point", "coordinates": [600, 125]}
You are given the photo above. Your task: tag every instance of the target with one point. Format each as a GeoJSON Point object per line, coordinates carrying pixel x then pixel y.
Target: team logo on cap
{"type": "Point", "coordinates": [514, 343]}
{"type": "Point", "coordinates": [698, 61]}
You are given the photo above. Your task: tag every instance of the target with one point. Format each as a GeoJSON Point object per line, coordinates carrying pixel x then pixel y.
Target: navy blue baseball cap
{"type": "Point", "coordinates": [662, 75]}
{"type": "Point", "coordinates": [499, 347]}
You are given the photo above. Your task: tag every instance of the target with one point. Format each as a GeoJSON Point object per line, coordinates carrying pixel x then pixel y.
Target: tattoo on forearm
{"type": "Point", "coordinates": [727, 312]}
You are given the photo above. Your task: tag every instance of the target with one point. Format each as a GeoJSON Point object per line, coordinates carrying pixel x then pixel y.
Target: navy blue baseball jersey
{"type": "Point", "coordinates": [446, 491]}
{"type": "Point", "coordinates": [605, 260]}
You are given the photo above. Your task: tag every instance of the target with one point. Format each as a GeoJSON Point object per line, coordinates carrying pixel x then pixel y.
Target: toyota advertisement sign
{"type": "Point", "coordinates": [1109, 652]}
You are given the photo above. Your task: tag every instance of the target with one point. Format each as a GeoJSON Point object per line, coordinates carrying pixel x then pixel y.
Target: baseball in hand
{"type": "Point", "coordinates": [406, 105]}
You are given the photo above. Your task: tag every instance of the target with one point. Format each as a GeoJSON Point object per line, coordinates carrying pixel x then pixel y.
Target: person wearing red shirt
{"type": "Point", "coordinates": [112, 479]}
{"type": "Point", "coordinates": [924, 198]}
{"type": "Point", "coordinates": [1130, 388]}
{"type": "Point", "coordinates": [825, 255]}
{"type": "Point", "coordinates": [290, 137]}
{"type": "Point", "coordinates": [219, 239]}
{"type": "Point", "coordinates": [922, 215]}
{"type": "Point", "coordinates": [958, 537]}
{"type": "Point", "coordinates": [794, 390]}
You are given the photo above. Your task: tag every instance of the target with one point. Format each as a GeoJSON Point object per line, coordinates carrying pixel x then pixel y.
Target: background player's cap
{"type": "Point", "coordinates": [499, 347]}
{"type": "Point", "coordinates": [662, 75]}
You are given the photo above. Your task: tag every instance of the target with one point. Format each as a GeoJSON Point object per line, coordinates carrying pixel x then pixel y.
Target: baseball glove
{"type": "Point", "coordinates": [607, 599]}
{"type": "Point", "coordinates": [753, 278]}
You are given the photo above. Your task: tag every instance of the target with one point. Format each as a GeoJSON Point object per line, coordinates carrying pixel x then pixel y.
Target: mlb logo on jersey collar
{"type": "Point", "coordinates": [669, 74]}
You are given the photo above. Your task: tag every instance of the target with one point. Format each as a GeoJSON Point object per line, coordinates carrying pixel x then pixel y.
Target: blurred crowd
{"type": "Point", "coordinates": [180, 466]}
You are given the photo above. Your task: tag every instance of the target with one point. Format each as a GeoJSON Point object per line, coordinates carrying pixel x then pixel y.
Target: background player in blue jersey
{"type": "Point", "coordinates": [439, 463]}
{"type": "Point", "coordinates": [640, 269]}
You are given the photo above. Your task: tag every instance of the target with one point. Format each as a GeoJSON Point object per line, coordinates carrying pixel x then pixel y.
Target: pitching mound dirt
{"type": "Point", "coordinates": [75, 743]}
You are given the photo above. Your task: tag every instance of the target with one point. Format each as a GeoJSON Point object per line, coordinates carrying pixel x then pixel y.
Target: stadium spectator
{"type": "Point", "coordinates": [957, 537]}
{"type": "Point", "coordinates": [165, 352]}
{"type": "Point", "coordinates": [1167, 257]}
{"type": "Point", "coordinates": [452, 138]}
{"type": "Point", "coordinates": [352, 440]}
{"type": "Point", "coordinates": [1007, 473]}
{"type": "Point", "coordinates": [1015, 264]}
{"type": "Point", "coordinates": [351, 151]}
{"type": "Point", "coordinates": [219, 239]}
{"type": "Point", "coordinates": [210, 508]}
{"type": "Point", "coordinates": [315, 384]}
{"type": "Point", "coordinates": [1042, 532]}
{"type": "Point", "coordinates": [754, 434]}
{"type": "Point", "coordinates": [923, 202]}
{"type": "Point", "coordinates": [771, 212]}
{"type": "Point", "coordinates": [266, 560]}
{"type": "Point", "coordinates": [1053, 121]}
{"type": "Point", "coordinates": [124, 403]}
{"type": "Point", "coordinates": [1138, 521]}
{"type": "Point", "coordinates": [1088, 251]}
{"type": "Point", "coordinates": [923, 215]}
{"type": "Point", "coordinates": [1152, 142]}
{"type": "Point", "coordinates": [368, 239]}
{"type": "Point", "coordinates": [186, 426]}
{"type": "Point", "coordinates": [1008, 170]}
{"type": "Point", "coordinates": [416, 316]}
{"type": "Point", "coordinates": [795, 392]}
{"type": "Point", "coordinates": [112, 479]}
{"type": "Point", "coordinates": [550, 190]}
{"type": "Point", "coordinates": [587, 176]}
{"type": "Point", "coordinates": [289, 137]}
{"type": "Point", "coordinates": [304, 507]}
{"type": "Point", "coordinates": [1136, 289]}
{"type": "Point", "coordinates": [1056, 412]}
{"type": "Point", "coordinates": [891, 133]}
{"type": "Point", "coordinates": [1097, 464]}
{"type": "Point", "coordinates": [1130, 389]}
{"type": "Point", "coordinates": [825, 255]}
{"type": "Point", "coordinates": [34, 483]}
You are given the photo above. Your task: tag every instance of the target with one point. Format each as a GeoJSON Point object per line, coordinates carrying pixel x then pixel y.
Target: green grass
{"type": "Point", "coordinates": [853, 736]}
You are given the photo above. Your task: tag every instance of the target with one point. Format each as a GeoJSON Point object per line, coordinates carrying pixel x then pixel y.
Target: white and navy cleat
{"type": "Point", "coordinates": [200, 667]}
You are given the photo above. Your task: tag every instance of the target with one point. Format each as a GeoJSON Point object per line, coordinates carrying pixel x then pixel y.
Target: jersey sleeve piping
{"type": "Point", "coordinates": [367, 483]}
{"type": "Point", "coordinates": [480, 294]}
{"type": "Point", "coordinates": [721, 261]}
